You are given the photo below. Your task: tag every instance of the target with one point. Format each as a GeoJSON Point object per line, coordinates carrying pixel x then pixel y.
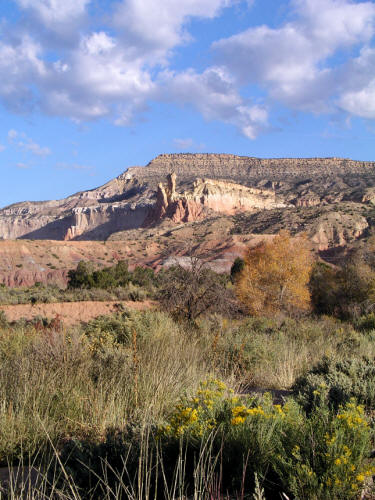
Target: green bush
{"type": "Point", "coordinates": [337, 382]}
{"type": "Point", "coordinates": [110, 277]}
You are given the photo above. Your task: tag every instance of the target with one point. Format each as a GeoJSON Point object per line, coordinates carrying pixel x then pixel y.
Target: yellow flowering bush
{"type": "Point", "coordinates": [330, 460]}
{"type": "Point", "coordinates": [319, 456]}
{"type": "Point", "coordinates": [214, 404]}
{"type": "Point", "coordinates": [198, 414]}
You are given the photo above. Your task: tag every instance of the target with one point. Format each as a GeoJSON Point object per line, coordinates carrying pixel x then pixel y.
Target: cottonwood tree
{"type": "Point", "coordinates": [275, 276]}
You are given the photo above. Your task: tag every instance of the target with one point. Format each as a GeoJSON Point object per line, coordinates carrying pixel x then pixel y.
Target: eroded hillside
{"type": "Point", "coordinates": [207, 204]}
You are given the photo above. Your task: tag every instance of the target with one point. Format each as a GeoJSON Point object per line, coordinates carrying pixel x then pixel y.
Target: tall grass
{"type": "Point", "coordinates": [63, 383]}
{"type": "Point", "coordinates": [110, 384]}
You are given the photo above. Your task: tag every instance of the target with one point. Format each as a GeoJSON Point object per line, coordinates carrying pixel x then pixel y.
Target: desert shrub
{"type": "Point", "coordinates": [118, 329]}
{"type": "Point", "coordinates": [82, 276]}
{"type": "Point", "coordinates": [337, 382]}
{"type": "Point", "coordinates": [136, 292]}
{"type": "Point", "coordinates": [325, 455]}
{"type": "Point", "coordinates": [3, 320]}
{"type": "Point", "coordinates": [320, 456]}
{"type": "Point", "coordinates": [144, 277]}
{"type": "Point", "coordinates": [110, 277]}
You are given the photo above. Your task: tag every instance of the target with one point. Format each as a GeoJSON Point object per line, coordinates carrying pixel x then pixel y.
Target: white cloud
{"type": "Point", "coordinates": [22, 165]}
{"type": "Point", "coordinates": [34, 148]}
{"type": "Point", "coordinates": [214, 95]}
{"type": "Point", "coordinates": [20, 65]}
{"type": "Point", "coordinates": [2, 148]}
{"type": "Point", "coordinates": [116, 75]}
{"type": "Point", "coordinates": [98, 43]}
{"type": "Point", "coordinates": [22, 141]}
{"type": "Point", "coordinates": [358, 96]}
{"type": "Point", "coordinates": [114, 71]}
{"type": "Point", "coordinates": [292, 61]}
{"type": "Point", "coordinates": [361, 102]}
{"type": "Point", "coordinates": [98, 79]}
{"type": "Point", "coordinates": [55, 11]}
{"type": "Point", "coordinates": [153, 28]}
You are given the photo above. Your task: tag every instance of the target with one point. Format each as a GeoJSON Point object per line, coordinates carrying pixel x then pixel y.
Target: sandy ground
{"type": "Point", "coordinates": [70, 312]}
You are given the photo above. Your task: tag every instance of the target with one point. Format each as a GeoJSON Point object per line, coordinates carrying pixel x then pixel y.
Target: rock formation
{"type": "Point", "coordinates": [220, 203]}
{"type": "Point", "coordinates": [197, 186]}
{"type": "Point", "coordinates": [208, 195]}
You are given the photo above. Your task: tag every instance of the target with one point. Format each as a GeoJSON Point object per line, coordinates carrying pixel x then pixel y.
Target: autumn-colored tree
{"type": "Point", "coordinates": [276, 276]}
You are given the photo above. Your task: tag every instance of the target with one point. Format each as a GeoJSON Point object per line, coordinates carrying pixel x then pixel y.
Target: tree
{"type": "Point", "coordinates": [110, 277]}
{"type": "Point", "coordinates": [189, 293]}
{"type": "Point", "coordinates": [82, 276]}
{"type": "Point", "coordinates": [275, 276]}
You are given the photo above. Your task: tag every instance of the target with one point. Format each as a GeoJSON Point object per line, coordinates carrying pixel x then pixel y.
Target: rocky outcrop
{"type": "Point", "coordinates": [368, 196]}
{"type": "Point", "coordinates": [229, 198]}
{"type": "Point", "coordinates": [208, 195]}
{"type": "Point", "coordinates": [201, 184]}
{"type": "Point", "coordinates": [334, 229]}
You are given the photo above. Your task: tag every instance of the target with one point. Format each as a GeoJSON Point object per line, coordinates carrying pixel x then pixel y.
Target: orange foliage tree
{"type": "Point", "coordinates": [275, 276]}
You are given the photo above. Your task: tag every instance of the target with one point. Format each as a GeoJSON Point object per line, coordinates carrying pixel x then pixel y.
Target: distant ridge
{"type": "Point", "coordinates": [125, 202]}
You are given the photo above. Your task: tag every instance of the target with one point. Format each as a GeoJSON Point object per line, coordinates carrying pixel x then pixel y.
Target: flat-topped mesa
{"type": "Point", "coordinates": [245, 169]}
{"type": "Point", "coordinates": [128, 201]}
{"type": "Point", "coordinates": [208, 195]}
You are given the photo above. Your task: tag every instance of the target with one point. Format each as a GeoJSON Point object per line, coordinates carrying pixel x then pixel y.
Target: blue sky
{"type": "Point", "coordinates": [90, 87]}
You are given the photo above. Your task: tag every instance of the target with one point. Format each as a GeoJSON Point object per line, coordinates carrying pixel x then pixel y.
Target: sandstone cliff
{"type": "Point", "coordinates": [203, 183]}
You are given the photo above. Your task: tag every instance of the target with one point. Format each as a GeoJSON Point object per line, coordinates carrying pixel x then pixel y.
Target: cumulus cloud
{"type": "Point", "coordinates": [116, 70]}
{"type": "Point", "coordinates": [55, 11]}
{"type": "Point", "coordinates": [115, 75]}
{"type": "Point", "coordinates": [20, 66]}
{"type": "Point", "coordinates": [152, 28]}
{"type": "Point", "coordinates": [96, 80]}
{"type": "Point", "coordinates": [358, 97]}
{"type": "Point", "coordinates": [214, 95]}
{"type": "Point", "coordinates": [293, 61]}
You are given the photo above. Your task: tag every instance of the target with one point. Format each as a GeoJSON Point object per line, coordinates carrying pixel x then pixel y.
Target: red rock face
{"type": "Point", "coordinates": [183, 210]}
{"type": "Point", "coordinates": [207, 195]}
